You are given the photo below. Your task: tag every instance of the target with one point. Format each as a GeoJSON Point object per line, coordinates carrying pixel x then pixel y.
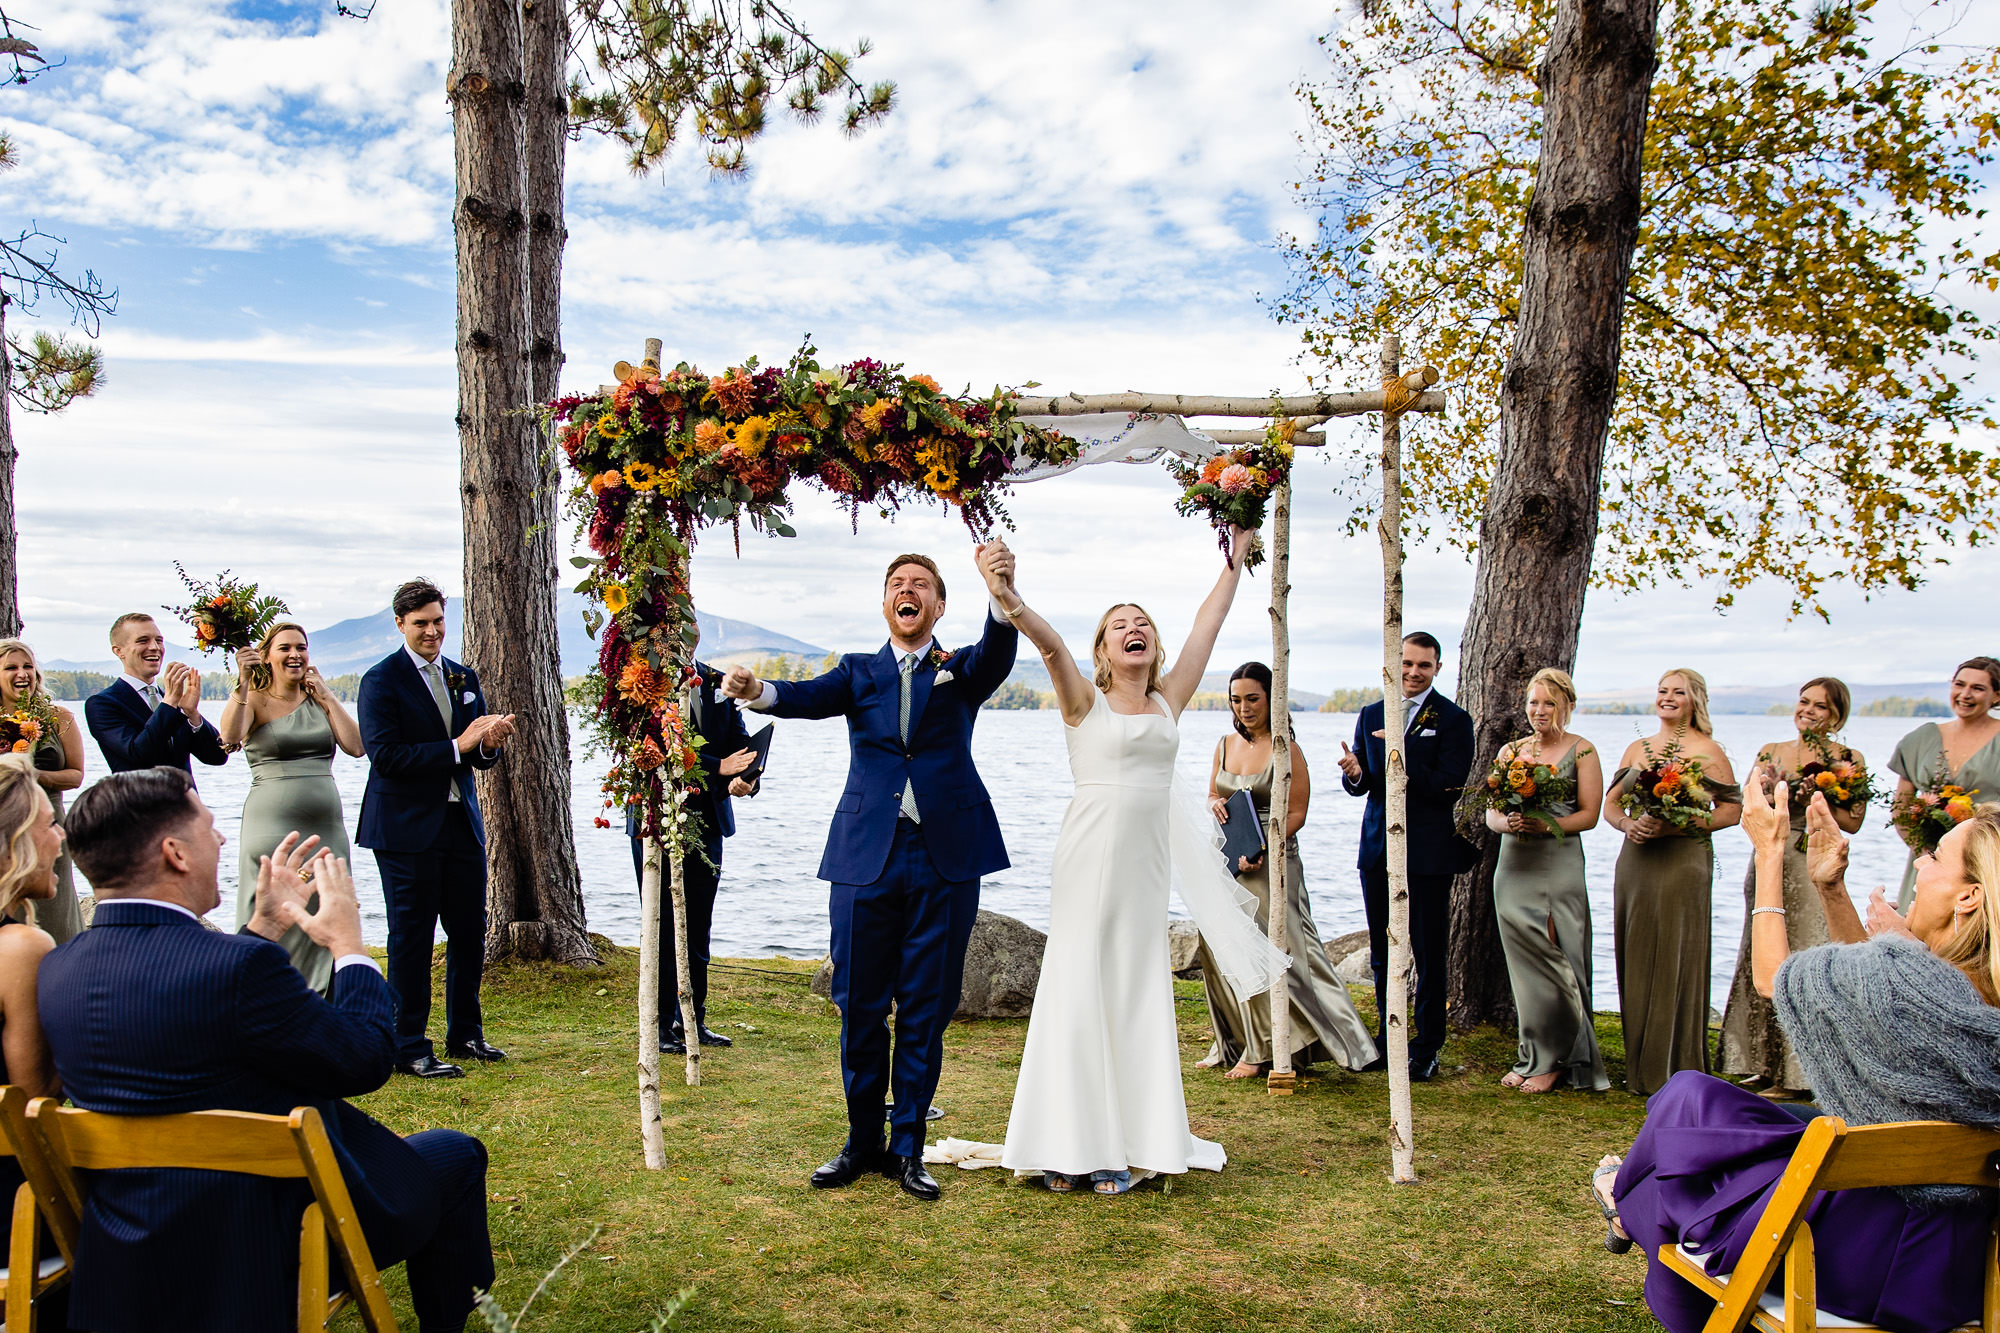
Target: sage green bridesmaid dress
{"type": "Point", "coordinates": [1538, 885]}
{"type": "Point", "coordinates": [1920, 758]}
{"type": "Point", "coordinates": [291, 788]}
{"type": "Point", "coordinates": [1662, 901]}
{"type": "Point", "coordinates": [62, 915]}
{"type": "Point", "coordinates": [1325, 1023]}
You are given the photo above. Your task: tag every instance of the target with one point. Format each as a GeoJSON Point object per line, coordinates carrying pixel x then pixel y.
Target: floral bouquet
{"type": "Point", "coordinates": [1233, 489]}
{"type": "Point", "coordinates": [27, 724]}
{"type": "Point", "coordinates": [1926, 815]}
{"type": "Point", "coordinates": [1524, 787]}
{"type": "Point", "coordinates": [228, 616]}
{"type": "Point", "coordinates": [1671, 787]}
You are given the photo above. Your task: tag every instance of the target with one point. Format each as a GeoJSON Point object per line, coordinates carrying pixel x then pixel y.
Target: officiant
{"type": "Point", "coordinates": [726, 758]}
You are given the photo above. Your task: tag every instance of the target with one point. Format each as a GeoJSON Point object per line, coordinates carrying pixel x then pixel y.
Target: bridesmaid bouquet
{"type": "Point", "coordinates": [226, 615]}
{"type": "Point", "coordinates": [1926, 815]}
{"type": "Point", "coordinates": [1233, 489]}
{"type": "Point", "coordinates": [1670, 787]}
{"type": "Point", "coordinates": [1520, 786]}
{"type": "Point", "coordinates": [27, 724]}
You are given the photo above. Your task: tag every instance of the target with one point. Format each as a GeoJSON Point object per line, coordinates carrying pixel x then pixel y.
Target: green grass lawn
{"type": "Point", "coordinates": [1303, 1230]}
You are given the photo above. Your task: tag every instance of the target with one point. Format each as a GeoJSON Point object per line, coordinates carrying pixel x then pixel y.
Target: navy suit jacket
{"type": "Point", "coordinates": [1437, 756]}
{"type": "Point", "coordinates": [149, 1013]}
{"type": "Point", "coordinates": [133, 736]}
{"type": "Point", "coordinates": [413, 761]}
{"type": "Point", "coordinates": [958, 826]}
{"type": "Point", "coordinates": [720, 725]}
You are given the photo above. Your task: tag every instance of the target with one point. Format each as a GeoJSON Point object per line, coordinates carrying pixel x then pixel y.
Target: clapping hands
{"type": "Point", "coordinates": [489, 731]}
{"type": "Point", "coordinates": [1826, 845]}
{"type": "Point", "coordinates": [1764, 816]}
{"type": "Point", "coordinates": [282, 877]}
{"type": "Point", "coordinates": [180, 687]}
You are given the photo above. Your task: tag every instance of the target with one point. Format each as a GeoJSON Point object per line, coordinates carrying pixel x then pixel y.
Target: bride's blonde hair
{"type": "Point", "coordinates": [1102, 659]}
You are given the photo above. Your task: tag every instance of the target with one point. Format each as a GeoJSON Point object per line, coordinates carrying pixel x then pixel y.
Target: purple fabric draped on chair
{"type": "Point", "coordinates": [1703, 1168]}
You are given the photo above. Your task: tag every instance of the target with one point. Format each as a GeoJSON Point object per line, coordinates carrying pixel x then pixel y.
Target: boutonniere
{"type": "Point", "coordinates": [938, 656]}
{"type": "Point", "coordinates": [454, 678]}
{"type": "Point", "coordinates": [1426, 718]}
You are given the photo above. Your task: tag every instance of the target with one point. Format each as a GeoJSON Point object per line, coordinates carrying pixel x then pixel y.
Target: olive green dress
{"type": "Point", "coordinates": [1752, 1042]}
{"type": "Point", "coordinates": [1325, 1024]}
{"type": "Point", "coordinates": [1920, 758]}
{"type": "Point", "coordinates": [291, 788]}
{"type": "Point", "coordinates": [1539, 883]}
{"type": "Point", "coordinates": [62, 915]}
{"type": "Point", "coordinates": [1661, 908]}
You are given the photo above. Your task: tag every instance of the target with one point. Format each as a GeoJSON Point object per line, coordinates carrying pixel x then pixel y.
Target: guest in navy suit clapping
{"type": "Point", "coordinates": [425, 727]}
{"type": "Point", "coordinates": [140, 720]}
{"type": "Point", "coordinates": [147, 1013]}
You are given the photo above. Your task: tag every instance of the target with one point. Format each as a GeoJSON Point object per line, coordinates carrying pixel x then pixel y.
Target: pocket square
{"type": "Point", "coordinates": [465, 698]}
{"type": "Point", "coordinates": [1428, 731]}
{"type": "Point", "coordinates": [941, 678]}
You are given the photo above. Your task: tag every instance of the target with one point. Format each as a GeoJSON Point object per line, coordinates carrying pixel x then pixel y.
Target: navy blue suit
{"type": "Point", "coordinates": [148, 1013]}
{"type": "Point", "coordinates": [720, 726]}
{"type": "Point", "coordinates": [1437, 755]}
{"type": "Point", "coordinates": [904, 895]}
{"type": "Point", "coordinates": [133, 736]}
{"type": "Point", "coordinates": [430, 849]}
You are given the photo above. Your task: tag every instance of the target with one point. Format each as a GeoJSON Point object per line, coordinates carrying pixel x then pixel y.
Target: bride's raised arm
{"type": "Point", "coordinates": [1181, 683]}
{"type": "Point", "coordinates": [1074, 694]}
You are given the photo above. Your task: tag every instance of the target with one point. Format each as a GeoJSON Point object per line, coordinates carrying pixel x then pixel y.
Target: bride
{"type": "Point", "coordinates": [1099, 1098]}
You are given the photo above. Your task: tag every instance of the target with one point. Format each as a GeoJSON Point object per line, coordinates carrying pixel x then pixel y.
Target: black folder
{"type": "Point", "coordinates": [760, 746]}
{"type": "Point", "coordinates": [1243, 835]}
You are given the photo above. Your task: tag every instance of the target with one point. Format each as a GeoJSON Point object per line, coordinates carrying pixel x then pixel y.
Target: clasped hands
{"type": "Point", "coordinates": [180, 687]}
{"type": "Point", "coordinates": [488, 731]}
{"type": "Point", "coordinates": [1765, 820]}
{"type": "Point", "coordinates": [286, 881]}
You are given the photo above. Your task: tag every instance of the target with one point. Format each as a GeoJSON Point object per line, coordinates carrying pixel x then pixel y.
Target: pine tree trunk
{"type": "Point", "coordinates": [10, 591]}
{"type": "Point", "coordinates": [534, 899]}
{"type": "Point", "coordinates": [1540, 526]}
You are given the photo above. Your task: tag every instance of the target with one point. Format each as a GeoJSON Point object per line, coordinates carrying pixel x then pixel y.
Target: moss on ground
{"type": "Point", "coordinates": [1303, 1230]}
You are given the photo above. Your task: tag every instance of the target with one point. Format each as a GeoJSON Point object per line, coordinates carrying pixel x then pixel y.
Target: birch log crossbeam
{"type": "Point", "coordinates": [1322, 405]}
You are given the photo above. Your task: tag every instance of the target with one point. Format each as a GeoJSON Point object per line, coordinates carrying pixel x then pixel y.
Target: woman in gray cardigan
{"type": "Point", "coordinates": [1895, 1021]}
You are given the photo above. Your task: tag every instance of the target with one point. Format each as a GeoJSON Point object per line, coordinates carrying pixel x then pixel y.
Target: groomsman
{"type": "Point", "coordinates": [724, 757]}
{"type": "Point", "coordinates": [425, 726]}
{"type": "Point", "coordinates": [139, 723]}
{"type": "Point", "coordinates": [1437, 754]}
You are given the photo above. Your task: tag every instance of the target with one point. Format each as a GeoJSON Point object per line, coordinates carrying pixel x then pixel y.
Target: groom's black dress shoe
{"type": "Point", "coordinates": [910, 1174]}
{"type": "Point", "coordinates": [1375, 1066]}
{"type": "Point", "coordinates": [852, 1164]}
{"type": "Point", "coordinates": [429, 1066]}
{"type": "Point", "coordinates": [476, 1049]}
{"type": "Point", "coordinates": [672, 1045]}
{"type": "Point", "coordinates": [713, 1038]}
{"type": "Point", "coordinates": [1423, 1071]}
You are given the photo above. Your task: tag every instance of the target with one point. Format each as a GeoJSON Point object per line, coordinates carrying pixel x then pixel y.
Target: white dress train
{"type": "Point", "coordinates": [1100, 1083]}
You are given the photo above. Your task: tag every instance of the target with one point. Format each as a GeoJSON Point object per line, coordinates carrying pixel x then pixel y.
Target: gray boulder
{"type": "Point", "coordinates": [1183, 938]}
{"type": "Point", "coordinates": [1349, 954]}
{"type": "Point", "coordinates": [1003, 964]}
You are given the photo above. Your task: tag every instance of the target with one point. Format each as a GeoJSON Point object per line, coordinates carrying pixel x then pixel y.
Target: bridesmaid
{"type": "Point", "coordinates": [58, 758]}
{"type": "Point", "coordinates": [287, 722]}
{"type": "Point", "coordinates": [1661, 895]}
{"type": "Point", "coordinates": [1960, 751]}
{"type": "Point", "coordinates": [1325, 1025]}
{"type": "Point", "coordinates": [1543, 905]}
{"type": "Point", "coordinates": [1754, 1049]}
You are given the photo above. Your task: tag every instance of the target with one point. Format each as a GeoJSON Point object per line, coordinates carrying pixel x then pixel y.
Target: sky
{"type": "Point", "coordinates": [1085, 197]}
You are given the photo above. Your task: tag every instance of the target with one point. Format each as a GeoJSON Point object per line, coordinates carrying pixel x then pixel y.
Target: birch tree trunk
{"type": "Point", "coordinates": [1396, 781]}
{"type": "Point", "coordinates": [1540, 524]}
{"type": "Point", "coordinates": [649, 1010]}
{"type": "Point", "coordinates": [685, 995]}
{"type": "Point", "coordinates": [507, 497]}
{"type": "Point", "coordinates": [1283, 1081]}
{"type": "Point", "coordinates": [10, 591]}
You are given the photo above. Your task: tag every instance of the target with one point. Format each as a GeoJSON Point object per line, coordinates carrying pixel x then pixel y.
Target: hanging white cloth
{"type": "Point", "coordinates": [1119, 437]}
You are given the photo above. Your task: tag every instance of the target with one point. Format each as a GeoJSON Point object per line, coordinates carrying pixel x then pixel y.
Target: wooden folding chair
{"type": "Point", "coordinates": [39, 1200]}
{"type": "Point", "coordinates": [1832, 1156]}
{"type": "Point", "coordinates": [284, 1147]}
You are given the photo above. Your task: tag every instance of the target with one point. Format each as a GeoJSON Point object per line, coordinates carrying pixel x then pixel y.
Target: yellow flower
{"type": "Point", "coordinates": [610, 427]}
{"type": "Point", "coordinates": [877, 412]}
{"type": "Point", "coordinates": [670, 484]}
{"type": "Point", "coordinates": [615, 598]}
{"type": "Point", "coordinates": [641, 476]}
{"type": "Point", "coordinates": [942, 465]}
{"type": "Point", "coordinates": [709, 437]}
{"type": "Point", "coordinates": [750, 436]}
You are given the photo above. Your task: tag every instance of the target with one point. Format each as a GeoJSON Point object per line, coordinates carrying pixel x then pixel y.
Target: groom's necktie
{"type": "Point", "coordinates": [434, 676]}
{"type": "Point", "coordinates": [152, 698]}
{"type": "Point", "coordinates": [909, 793]}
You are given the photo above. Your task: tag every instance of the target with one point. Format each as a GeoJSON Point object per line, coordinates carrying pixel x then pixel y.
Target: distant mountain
{"type": "Point", "coordinates": [1030, 672]}
{"type": "Point", "coordinates": [1761, 699]}
{"type": "Point", "coordinates": [357, 644]}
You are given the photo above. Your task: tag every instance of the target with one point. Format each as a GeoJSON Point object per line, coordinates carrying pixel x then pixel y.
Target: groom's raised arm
{"type": "Point", "coordinates": [827, 695]}
{"type": "Point", "coordinates": [988, 663]}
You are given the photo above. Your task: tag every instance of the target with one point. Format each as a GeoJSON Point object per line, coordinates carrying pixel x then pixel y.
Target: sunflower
{"type": "Point", "coordinates": [942, 473]}
{"type": "Point", "coordinates": [751, 436]}
{"type": "Point", "coordinates": [616, 599]}
{"type": "Point", "coordinates": [611, 426]}
{"type": "Point", "coordinates": [641, 476]}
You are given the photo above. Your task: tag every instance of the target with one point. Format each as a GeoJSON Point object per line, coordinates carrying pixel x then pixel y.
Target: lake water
{"type": "Point", "coordinates": [772, 904]}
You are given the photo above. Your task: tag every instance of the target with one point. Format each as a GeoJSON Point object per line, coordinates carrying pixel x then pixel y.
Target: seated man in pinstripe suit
{"type": "Point", "coordinates": [149, 1014]}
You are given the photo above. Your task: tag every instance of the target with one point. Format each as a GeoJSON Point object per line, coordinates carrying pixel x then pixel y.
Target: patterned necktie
{"type": "Point", "coordinates": [152, 698]}
{"type": "Point", "coordinates": [909, 792]}
{"type": "Point", "coordinates": [434, 676]}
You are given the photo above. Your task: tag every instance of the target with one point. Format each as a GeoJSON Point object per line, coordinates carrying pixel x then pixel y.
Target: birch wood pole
{"type": "Point", "coordinates": [649, 1009]}
{"type": "Point", "coordinates": [683, 975]}
{"type": "Point", "coordinates": [1402, 1147]}
{"type": "Point", "coordinates": [1282, 1081]}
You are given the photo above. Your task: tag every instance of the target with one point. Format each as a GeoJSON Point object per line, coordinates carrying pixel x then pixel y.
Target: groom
{"type": "Point", "coordinates": [911, 835]}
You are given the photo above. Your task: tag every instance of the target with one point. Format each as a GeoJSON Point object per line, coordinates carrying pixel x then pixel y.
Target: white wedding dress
{"type": "Point", "coordinates": [1100, 1083]}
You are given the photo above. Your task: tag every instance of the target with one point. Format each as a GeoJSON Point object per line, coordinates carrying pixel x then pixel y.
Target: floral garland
{"type": "Point", "coordinates": [665, 454]}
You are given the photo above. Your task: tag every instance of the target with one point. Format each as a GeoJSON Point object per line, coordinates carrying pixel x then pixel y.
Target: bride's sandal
{"type": "Point", "coordinates": [1059, 1183]}
{"type": "Point", "coordinates": [1111, 1182]}
{"type": "Point", "coordinates": [1613, 1242]}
